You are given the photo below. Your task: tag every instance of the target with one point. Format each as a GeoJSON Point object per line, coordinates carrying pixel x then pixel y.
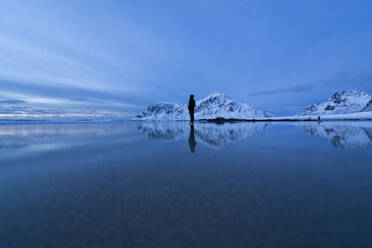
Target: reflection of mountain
{"type": "Point", "coordinates": [211, 134]}
{"type": "Point", "coordinates": [164, 130]}
{"type": "Point", "coordinates": [344, 135]}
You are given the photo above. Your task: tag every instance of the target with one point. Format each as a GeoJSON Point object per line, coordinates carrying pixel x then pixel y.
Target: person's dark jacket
{"type": "Point", "coordinates": [191, 105]}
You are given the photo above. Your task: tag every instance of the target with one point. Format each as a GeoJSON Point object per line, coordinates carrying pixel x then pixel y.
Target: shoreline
{"type": "Point", "coordinates": [232, 120]}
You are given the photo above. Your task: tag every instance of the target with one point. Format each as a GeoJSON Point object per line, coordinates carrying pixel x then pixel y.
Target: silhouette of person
{"type": "Point", "coordinates": [191, 108]}
{"type": "Point", "coordinates": [192, 142]}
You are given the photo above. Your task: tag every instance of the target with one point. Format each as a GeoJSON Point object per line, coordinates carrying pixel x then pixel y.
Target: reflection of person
{"type": "Point", "coordinates": [191, 108]}
{"type": "Point", "coordinates": [192, 142]}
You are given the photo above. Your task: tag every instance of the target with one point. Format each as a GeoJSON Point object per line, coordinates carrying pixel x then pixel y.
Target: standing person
{"type": "Point", "coordinates": [191, 108]}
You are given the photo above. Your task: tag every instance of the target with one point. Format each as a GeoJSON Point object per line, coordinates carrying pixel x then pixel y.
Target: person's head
{"type": "Point", "coordinates": [191, 96]}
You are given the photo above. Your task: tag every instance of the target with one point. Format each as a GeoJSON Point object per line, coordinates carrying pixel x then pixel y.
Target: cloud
{"type": "Point", "coordinates": [11, 101]}
{"type": "Point", "coordinates": [292, 89]}
{"type": "Point", "coordinates": [28, 99]}
{"type": "Point", "coordinates": [32, 110]}
{"type": "Point", "coordinates": [59, 94]}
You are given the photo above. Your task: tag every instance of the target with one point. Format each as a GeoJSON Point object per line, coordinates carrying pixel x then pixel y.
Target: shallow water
{"type": "Point", "coordinates": [165, 184]}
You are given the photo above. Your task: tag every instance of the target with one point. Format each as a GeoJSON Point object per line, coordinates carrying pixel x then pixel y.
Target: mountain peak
{"type": "Point", "coordinates": [348, 93]}
{"type": "Point", "coordinates": [216, 94]}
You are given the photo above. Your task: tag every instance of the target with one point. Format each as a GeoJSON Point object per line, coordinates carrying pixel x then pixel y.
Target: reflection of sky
{"type": "Point", "coordinates": [103, 57]}
{"type": "Point", "coordinates": [30, 139]}
{"type": "Point", "coordinates": [117, 188]}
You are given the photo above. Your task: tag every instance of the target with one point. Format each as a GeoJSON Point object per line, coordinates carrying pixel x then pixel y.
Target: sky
{"type": "Point", "coordinates": [113, 57]}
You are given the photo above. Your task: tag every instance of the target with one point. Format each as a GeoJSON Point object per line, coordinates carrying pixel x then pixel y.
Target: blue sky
{"type": "Point", "coordinates": [119, 56]}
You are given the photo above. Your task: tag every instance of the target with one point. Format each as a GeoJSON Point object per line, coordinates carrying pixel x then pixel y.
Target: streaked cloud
{"type": "Point", "coordinates": [291, 89]}
{"type": "Point", "coordinates": [11, 101]}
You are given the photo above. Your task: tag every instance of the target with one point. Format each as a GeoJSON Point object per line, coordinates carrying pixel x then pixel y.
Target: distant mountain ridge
{"type": "Point", "coordinates": [344, 102]}
{"type": "Point", "coordinates": [213, 106]}
{"type": "Point", "coordinates": [218, 105]}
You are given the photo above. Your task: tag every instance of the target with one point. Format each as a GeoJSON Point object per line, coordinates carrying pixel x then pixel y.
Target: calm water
{"type": "Point", "coordinates": [144, 184]}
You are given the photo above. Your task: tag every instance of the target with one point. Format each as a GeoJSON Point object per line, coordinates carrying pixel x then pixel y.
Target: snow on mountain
{"type": "Point", "coordinates": [210, 107]}
{"type": "Point", "coordinates": [345, 102]}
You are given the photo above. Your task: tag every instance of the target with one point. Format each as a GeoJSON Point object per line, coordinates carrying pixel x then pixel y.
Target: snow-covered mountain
{"type": "Point", "coordinates": [345, 102]}
{"type": "Point", "coordinates": [210, 107]}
